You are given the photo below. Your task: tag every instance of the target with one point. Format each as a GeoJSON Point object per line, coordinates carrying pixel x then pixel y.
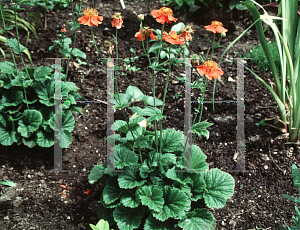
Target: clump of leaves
{"type": "Point", "coordinates": [150, 193]}
{"type": "Point", "coordinates": [259, 57]}
{"type": "Point", "coordinates": [26, 106]}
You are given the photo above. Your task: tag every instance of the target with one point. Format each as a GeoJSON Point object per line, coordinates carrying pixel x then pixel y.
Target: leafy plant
{"type": "Point", "coordinates": [287, 89]}
{"type": "Point", "coordinates": [162, 182]}
{"type": "Point", "coordinates": [7, 15]}
{"type": "Point", "coordinates": [65, 50]}
{"type": "Point", "coordinates": [27, 101]}
{"type": "Point", "coordinates": [128, 63]}
{"type": "Point", "coordinates": [296, 179]}
{"type": "Point", "coordinates": [258, 56]}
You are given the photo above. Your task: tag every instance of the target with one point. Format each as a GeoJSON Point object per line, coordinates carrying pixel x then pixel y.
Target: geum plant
{"type": "Point", "coordinates": [27, 102]}
{"type": "Point", "coordinates": [150, 193]}
{"type": "Point", "coordinates": [287, 85]}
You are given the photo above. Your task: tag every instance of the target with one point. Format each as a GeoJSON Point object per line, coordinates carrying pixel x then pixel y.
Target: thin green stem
{"type": "Point", "coordinates": [73, 39]}
{"type": "Point", "coordinates": [95, 42]}
{"type": "Point", "coordinates": [116, 41]}
{"type": "Point", "coordinates": [162, 30]}
{"type": "Point", "coordinates": [164, 98]}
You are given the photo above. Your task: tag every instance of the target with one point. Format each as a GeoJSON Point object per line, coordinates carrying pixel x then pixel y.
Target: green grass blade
{"type": "Point", "coordinates": [262, 39]}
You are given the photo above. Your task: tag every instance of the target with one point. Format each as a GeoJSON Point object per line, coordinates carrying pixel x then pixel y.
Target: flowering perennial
{"type": "Point", "coordinates": [210, 69]}
{"type": "Point", "coordinates": [117, 21]}
{"type": "Point", "coordinates": [63, 30]}
{"type": "Point", "coordinates": [90, 18]}
{"type": "Point", "coordinates": [216, 27]}
{"type": "Point", "coordinates": [146, 31]}
{"type": "Point", "coordinates": [163, 15]}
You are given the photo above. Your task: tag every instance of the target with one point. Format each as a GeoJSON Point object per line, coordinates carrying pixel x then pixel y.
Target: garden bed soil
{"type": "Point", "coordinates": [59, 200]}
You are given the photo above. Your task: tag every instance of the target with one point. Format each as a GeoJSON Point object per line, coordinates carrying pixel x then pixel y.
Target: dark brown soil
{"type": "Point", "coordinates": [49, 200]}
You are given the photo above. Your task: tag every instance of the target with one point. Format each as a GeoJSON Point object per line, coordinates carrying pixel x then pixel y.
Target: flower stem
{"type": "Point", "coordinates": [73, 40]}
{"type": "Point", "coordinates": [95, 42]}
{"type": "Point", "coordinates": [165, 92]}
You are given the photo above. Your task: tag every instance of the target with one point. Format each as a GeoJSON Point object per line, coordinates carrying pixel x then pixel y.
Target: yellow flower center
{"type": "Point", "coordinates": [166, 11]}
{"type": "Point", "coordinates": [209, 64]}
{"type": "Point", "coordinates": [173, 36]}
{"type": "Point", "coordinates": [216, 23]}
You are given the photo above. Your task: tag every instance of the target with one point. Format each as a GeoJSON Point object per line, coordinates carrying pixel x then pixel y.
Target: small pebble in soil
{"type": "Point", "coordinates": [266, 167]}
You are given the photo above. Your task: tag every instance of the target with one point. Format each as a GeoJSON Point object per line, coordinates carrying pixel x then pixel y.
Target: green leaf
{"type": "Point", "coordinates": [6, 78]}
{"type": "Point", "coordinates": [78, 53]}
{"type": "Point", "coordinates": [219, 188]}
{"type": "Point", "coordinates": [12, 98]}
{"type": "Point", "coordinates": [8, 134]}
{"type": "Point", "coordinates": [101, 225]}
{"type": "Point", "coordinates": [97, 173]}
{"type": "Point", "coordinates": [236, 4]}
{"type": "Point", "coordinates": [111, 192]}
{"type": "Point", "coordinates": [128, 218]}
{"type": "Point", "coordinates": [179, 2]}
{"type": "Point", "coordinates": [198, 159]}
{"type": "Point", "coordinates": [8, 183]}
{"type": "Point", "coordinates": [296, 176]}
{"type": "Point", "coordinates": [171, 140]}
{"type": "Point", "coordinates": [105, 213]}
{"type": "Point", "coordinates": [147, 111]}
{"type": "Point", "coordinates": [150, 101]}
{"type": "Point", "coordinates": [129, 199]}
{"type": "Point", "coordinates": [138, 132]}
{"type": "Point", "coordinates": [175, 201]}
{"type": "Point", "coordinates": [72, 86]}
{"type": "Point", "coordinates": [120, 125]}
{"type": "Point", "coordinates": [200, 128]}
{"type": "Point", "coordinates": [13, 43]}
{"type": "Point", "coordinates": [151, 196]}
{"type": "Point", "coordinates": [7, 67]}
{"type": "Point", "coordinates": [31, 141]}
{"type": "Point", "coordinates": [199, 219]}
{"type": "Point", "coordinates": [154, 47]}
{"type": "Point", "coordinates": [135, 93]}
{"type": "Point", "coordinates": [45, 139]}
{"type": "Point", "coordinates": [167, 159]}
{"type": "Point", "coordinates": [74, 25]}
{"type": "Point", "coordinates": [130, 177]}
{"type": "Point", "coordinates": [45, 91]}
{"type": "Point", "coordinates": [296, 200]}
{"type": "Point", "coordinates": [29, 122]}
{"type": "Point", "coordinates": [124, 157]}
{"type": "Point", "coordinates": [178, 27]}
{"type": "Point", "coordinates": [42, 72]}
{"type": "Point", "coordinates": [125, 100]}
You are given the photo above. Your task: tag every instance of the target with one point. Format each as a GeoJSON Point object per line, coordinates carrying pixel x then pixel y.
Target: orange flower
{"type": "Point", "coordinates": [90, 18]}
{"type": "Point", "coordinates": [146, 31]}
{"type": "Point", "coordinates": [117, 21]}
{"type": "Point", "coordinates": [63, 30]}
{"type": "Point", "coordinates": [173, 38]}
{"type": "Point", "coordinates": [216, 27]}
{"type": "Point", "coordinates": [186, 34]}
{"type": "Point", "coordinates": [210, 70]}
{"type": "Point", "coordinates": [163, 15]}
